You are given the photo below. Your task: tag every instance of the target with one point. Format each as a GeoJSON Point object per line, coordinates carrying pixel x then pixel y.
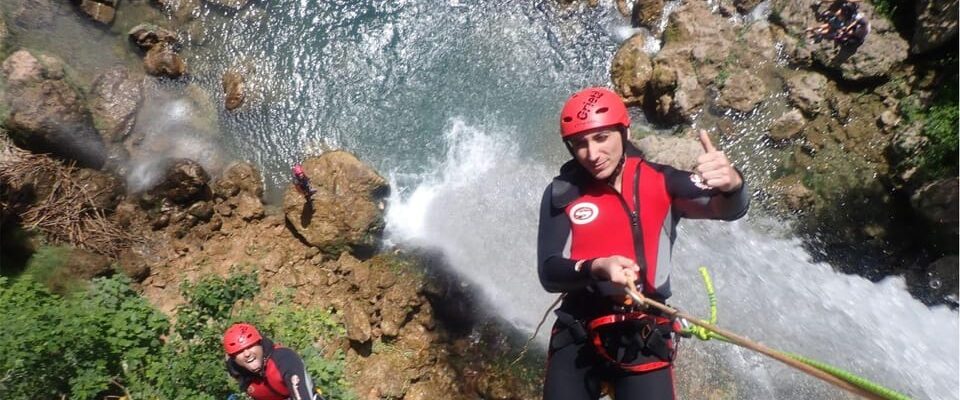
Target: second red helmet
{"type": "Point", "coordinates": [239, 337]}
{"type": "Point", "coordinates": [592, 108]}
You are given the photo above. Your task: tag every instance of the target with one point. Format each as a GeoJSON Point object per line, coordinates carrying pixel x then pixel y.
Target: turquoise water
{"type": "Point", "coordinates": [385, 79]}
{"type": "Point", "coordinates": [456, 102]}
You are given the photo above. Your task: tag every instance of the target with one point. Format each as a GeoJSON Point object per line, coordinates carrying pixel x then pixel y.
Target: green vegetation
{"type": "Point", "coordinates": [107, 340]}
{"type": "Point", "coordinates": [887, 8]}
{"type": "Point", "coordinates": [47, 265]}
{"type": "Point", "coordinates": [938, 156]}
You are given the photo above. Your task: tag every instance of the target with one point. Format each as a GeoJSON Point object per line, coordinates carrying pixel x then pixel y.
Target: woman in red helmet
{"type": "Point", "coordinates": [607, 219]}
{"type": "Point", "coordinates": [264, 370]}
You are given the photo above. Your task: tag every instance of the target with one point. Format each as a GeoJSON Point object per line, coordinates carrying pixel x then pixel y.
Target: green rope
{"type": "Point", "coordinates": [858, 381]}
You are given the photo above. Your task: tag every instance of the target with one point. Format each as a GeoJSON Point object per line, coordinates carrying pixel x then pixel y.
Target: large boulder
{"type": "Point", "coordinates": [697, 45]}
{"type": "Point", "coordinates": [630, 71]}
{"type": "Point", "coordinates": [680, 152]}
{"type": "Point", "coordinates": [937, 202]}
{"type": "Point", "coordinates": [45, 112]}
{"type": "Point", "coordinates": [806, 92]}
{"type": "Point", "coordinates": [102, 11]}
{"type": "Point", "coordinates": [233, 93]}
{"type": "Point", "coordinates": [346, 212]}
{"type": "Point", "coordinates": [936, 25]}
{"type": "Point", "coordinates": [184, 182]}
{"type": "Point", "coordinates": [647, 14]}
{"type": "Point", "coordinates": [742, 91]}
{"type": "Point", "coordinates": [116, 97]}
{"type": "Point", "coordinates": [787, 126]}
{"type": "Point", "coordinates": [239, 177]}
{"type": "Point", "coordinates": [163, 61]}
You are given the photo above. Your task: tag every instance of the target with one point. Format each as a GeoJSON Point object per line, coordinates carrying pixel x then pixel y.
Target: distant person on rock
{"type": "Point", "coordinates": [608, 219]}
{"type": "Point", "coordinates": [302, 182]}
{"type": "Point", "coordinates": [841, 22]}
{"type": "Point", "coordinates": [265, 371]}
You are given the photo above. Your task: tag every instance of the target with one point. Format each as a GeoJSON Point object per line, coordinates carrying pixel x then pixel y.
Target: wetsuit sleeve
{"type": "Point", "coordinates": [557, 272]}
{"type": "Point", "coordinates": [294, 375]}
{"type": "Point", "coordinates": [695, 200]}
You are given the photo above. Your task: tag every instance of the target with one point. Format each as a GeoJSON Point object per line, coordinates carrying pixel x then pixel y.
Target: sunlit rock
{"type": "Point", "coordinates": [163, 61]}
{"type": "Point", "coordinates": [787, 126]}
{"type": "Point", "coordinates": [101, 11]}
{"type": "Point", "coordinates": [742, 91]}
{"type": "Point", "coordinates": [146, 36]}
{"type": "Point", "coordinates": [45, 113]}
{"type": "Point", "coordinates": [239, 177]}
{"type": "Point", "coordinates": [631, 70]}
{"type": "Point", "coordinates": [346, 212]}
{"type": "Point", "coordinates": [184, 182]}
{"type": "Point", "coordinates": [647, 14]}
{"type": "Point", "coordinates": [233, 90]}
{"type": "Point", "coordinates": [806, 91]}
{"type": "Point", "coordinates": [115, 99]}
{"type": "Point", "coordinates": [680, 152]}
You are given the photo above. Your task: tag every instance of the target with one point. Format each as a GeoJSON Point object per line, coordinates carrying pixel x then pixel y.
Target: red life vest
{"type": "Point", "coordinates": [604, 223]}
{"type": "Point", "coordinates": [271, 386]}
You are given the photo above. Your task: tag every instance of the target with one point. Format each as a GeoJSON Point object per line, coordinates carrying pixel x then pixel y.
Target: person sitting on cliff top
{"type": "Point", "coordinates": [840, 20]}
{"type": "Point", "coordinates": [302, 182]}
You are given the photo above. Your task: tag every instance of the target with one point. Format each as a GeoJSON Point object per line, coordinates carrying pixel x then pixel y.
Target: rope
{"type": "Point", "coordinates": [526, 346]}
{"type": "Point", "coordinates": [836, 376]}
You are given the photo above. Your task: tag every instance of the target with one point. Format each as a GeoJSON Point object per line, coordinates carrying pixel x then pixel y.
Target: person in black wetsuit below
{"type": "Point", "coordinates": [609, 218]}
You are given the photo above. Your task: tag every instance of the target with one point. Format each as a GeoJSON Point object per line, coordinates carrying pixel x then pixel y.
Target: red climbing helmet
{"type": "Point", "coordinates": [592, 108]}
{"type": "Point", "coordinates": [298, 170]}
{"type": "Point", "coordinates": [239, 337]}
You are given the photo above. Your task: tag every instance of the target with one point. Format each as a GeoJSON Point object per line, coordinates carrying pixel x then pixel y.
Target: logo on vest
{"type": "Point", "coordinates": [583, 213]}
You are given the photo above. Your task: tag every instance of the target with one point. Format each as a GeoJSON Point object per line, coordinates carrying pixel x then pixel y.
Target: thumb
{"type": "Point", "coordinates": [705, 141]}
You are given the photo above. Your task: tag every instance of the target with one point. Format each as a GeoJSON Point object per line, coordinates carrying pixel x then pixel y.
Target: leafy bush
{"type": "Point", "coordinates": [938, 156]}
{"type": "Point", "coordinates": [84, 345]}
{"type": "Point", "coordinates": [108, 340]}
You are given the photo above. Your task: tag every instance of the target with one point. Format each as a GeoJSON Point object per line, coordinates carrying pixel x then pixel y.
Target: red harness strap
{"type": "Point", "coordinates": [593, 328]}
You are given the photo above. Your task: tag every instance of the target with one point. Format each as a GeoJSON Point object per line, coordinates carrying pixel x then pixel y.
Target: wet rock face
{"type": "Point", "coordinates": [46, 112]}
{"type": "Point", "coordinates": [806, 91]}
{"type": "Point", "coordinates": [742, 92]}
{"type": "Point", "coordinates": [937, 202]}
{"type": "Point", "coordinates": [346, 212]}
{"type": "Point", "coordinates": [101, 11]}
{"type": "Point", "coordinates": [184, 182]}
{"type": "Point", "coordinates": [675, 151]}
{"type": "Point", "coordinates": [696, 45]}
{"type": "Point", "coordinates": [163, 61]}
{"type": "Point", "coordinates": [116, 97]}
{"type": "Point", "coordinates": [146, 36]}
{"type": "Point", "coordinates": [233, 90]}
{"type": "Point", "coordinates": [787, 126]}
{"type": "Point", "coordinates": [161, 46]}
{"type": "Point", "coordinates": [239, 177]}
{"type": "Point", "coordinates": [936, 25]}
{"type": "Point", "coordinates": [631, 71]}
{"type": "Point", "coordinates": [647, 14]}
{"type": "Point", "coordinates": [745, 6]}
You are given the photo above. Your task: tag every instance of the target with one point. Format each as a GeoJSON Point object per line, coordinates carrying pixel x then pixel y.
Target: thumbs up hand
{"type": "Point", "coordinates": [715, 169]}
